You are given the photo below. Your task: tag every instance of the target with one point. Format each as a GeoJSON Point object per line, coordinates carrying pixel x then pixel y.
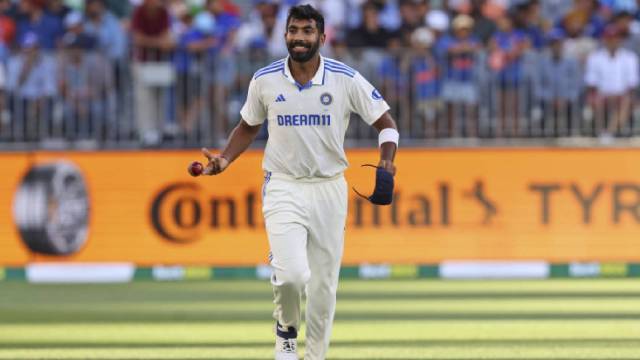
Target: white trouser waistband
{"type": "Point", "coordinates": [287, 177]}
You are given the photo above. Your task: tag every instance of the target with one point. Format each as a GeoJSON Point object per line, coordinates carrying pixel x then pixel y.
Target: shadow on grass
{"type": "Point", "coordinates": [86, 316]}
{"type": "Point", "coordinates": [460, 343]}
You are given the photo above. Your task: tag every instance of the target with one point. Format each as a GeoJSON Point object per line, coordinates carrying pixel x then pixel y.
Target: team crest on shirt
{"type": "Point", "coordinates": [326, 99]}
{"type": "Point", "coordinates": [375, 94]}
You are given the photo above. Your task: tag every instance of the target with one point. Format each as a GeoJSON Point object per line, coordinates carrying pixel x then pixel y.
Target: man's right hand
{"type": "Point", "coordinates": [216, 164]}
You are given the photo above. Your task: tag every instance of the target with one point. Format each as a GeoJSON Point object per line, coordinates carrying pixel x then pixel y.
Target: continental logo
{"type": "Point", "coordinates": [51, 209]}
{"type": "Point", "coordinates": [185, 212]}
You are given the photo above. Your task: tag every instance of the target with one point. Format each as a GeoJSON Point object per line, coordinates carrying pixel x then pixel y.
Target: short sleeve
{"type": "Point", "coordinates": [366, 100]}
{"type": "Point", "coordinates": [253, 112]}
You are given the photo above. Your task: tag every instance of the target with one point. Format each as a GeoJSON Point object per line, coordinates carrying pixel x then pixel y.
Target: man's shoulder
{"type": "Point", "coordinates": [340, 68]}
{"type": "Point", "coordinates": [273, 68]}
{"type": "Point", "coordinates": [598, 54]}
{"type": "Point", "coordinates": [628, 53]}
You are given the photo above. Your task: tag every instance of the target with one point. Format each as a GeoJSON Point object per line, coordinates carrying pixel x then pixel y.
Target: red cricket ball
{"type": "Point", "coordinates": [195, 168]}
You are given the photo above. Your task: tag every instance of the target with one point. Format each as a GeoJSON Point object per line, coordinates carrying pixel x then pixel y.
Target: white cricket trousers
{"type": "Point", "coordinates": [305, 221]}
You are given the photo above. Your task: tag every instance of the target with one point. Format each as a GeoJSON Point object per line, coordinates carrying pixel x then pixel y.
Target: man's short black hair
{"type": "Point", "coordinates": [306, 12]}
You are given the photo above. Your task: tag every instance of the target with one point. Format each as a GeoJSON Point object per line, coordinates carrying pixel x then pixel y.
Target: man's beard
{"type": "Point", "coordinates": [312, 49]}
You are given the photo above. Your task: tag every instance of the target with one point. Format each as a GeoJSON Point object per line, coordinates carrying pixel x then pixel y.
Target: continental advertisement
{"type": "Point", "coordinates": [143, 208]}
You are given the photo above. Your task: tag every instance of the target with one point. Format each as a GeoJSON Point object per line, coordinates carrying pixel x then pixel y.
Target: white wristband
{"type": "Point", "coordinates": [388, 135]}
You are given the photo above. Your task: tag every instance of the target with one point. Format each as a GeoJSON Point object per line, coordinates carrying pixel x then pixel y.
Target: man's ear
{"type": "Point", "coordinates": [323, 37]}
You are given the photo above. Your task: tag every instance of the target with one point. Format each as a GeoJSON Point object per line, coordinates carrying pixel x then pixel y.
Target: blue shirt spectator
{"type": "Point", "coordinates": [106, 28]}
{"type": "Point", "coordinates": [226, 24]}
{"type": "Point", "coordinates": [49, 29]}
{"type": "Point", "coordinates": [183, 57]}
{"type": "Point", "coordinates": [425, 78]}
{"type": "Point", "coordinates": [458, 57]}
{"type": "Point", "coordinates": [557, 77]}
{"type": "Point", "coordinates": [507, 47]}
{"type": "Point", "coordinates": [196, 39]}
{"type": "Point", "coordinates": [30, 73]}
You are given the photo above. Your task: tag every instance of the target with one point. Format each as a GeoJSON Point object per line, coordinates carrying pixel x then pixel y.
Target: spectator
{"type": "Point", "coordinates": [483, 27]}
{"type": "Point", "coordinates": [261, 25]}
{"type": "Point", "coordinates": [335, 14]}
{"type": "Point", "coordinates": [31, 85]}
{"type": "Point", "coordinates": [459, 89]}
{"type": "Point", "coordinates": [370, 33]}
{"type": "Point", "coordinates": [527, 21]}
{"type": "Point", "coordinates": [58, 9]}
{"type": "Point", "coordinates": [120, 8]}
{"type": "Point", "coordinates": [9, 8]}
{"type": "Point", "coordinates": [394, 73]}
{"type": "Point", "coordinates": [578, 44]}
{"type": "Point", "coordinates": [422, 8]}
{"type": "Point", "coordinates": [152, 70]}
{"type": "Point", "coordinates": [629, 29]}
{"type": "Point", "coordinates": [585, 15]}
{"type": "Point", "coordinates": [33, 19]}
{"type": "Point", "coordinates": [340, 50]}
{"type": "Point", "coordinates": [438, 22]}
{"type": "Point", "coordinates": [7, 30]}
{"type": "Point", "coordinates": [85, 87]}
{"type": "Point", "coordinates": [555, 10]}
{"type": "Point", "coordinates": [616, 6]}
{"type": "Point", "coordinates": [191, 47]}
{"type": "Point", "coordinates": [410, 20]}
{"type": "Point", "coordinates": [105, 27]}
{"type": "Point", "coordinates": [505, 60]}
{"type": "Point", "coordinates": [611, 76]}
{"type": "Point", "coordinates": [221, 63]}
{"type": "Point", "coordinates": [558, 84]}
{"type": "Point", "coordinates": [74, 25]}
{"type": "Point", "coordinates": [424, 78]}
{"type": "Point", "coordinates": [112, 43]}
{"type": "Point", "coordinates": [389, 16]}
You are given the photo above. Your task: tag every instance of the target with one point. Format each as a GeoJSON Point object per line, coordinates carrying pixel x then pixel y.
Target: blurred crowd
{"type": "Point", "coordinates": [154, 70]}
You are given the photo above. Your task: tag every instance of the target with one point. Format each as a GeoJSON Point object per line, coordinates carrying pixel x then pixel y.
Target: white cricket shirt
{"type": "Point", "coordinates": [612, 75]}
{"type": "Point", "coordinates": [307, 123]}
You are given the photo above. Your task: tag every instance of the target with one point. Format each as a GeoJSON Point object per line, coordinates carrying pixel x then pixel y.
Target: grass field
{"type": "Point", "coordinates": [534, 320]}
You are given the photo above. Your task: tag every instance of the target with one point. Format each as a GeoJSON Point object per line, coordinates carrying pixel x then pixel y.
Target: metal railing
{"type": "Point", "coordinates": [75, 99]}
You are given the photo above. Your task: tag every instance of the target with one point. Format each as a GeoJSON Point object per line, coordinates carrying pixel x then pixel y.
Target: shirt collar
{"type": "Point", "coordinates": [317, 79]}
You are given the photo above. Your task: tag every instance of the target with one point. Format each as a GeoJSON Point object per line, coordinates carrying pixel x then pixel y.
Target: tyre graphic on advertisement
{"type": "Point", "coordinates": [51, 209]}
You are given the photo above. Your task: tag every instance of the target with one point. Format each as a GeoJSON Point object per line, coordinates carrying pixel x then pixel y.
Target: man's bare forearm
{"type": "Point", "coordinates": [388, 151]}
{"type": "Point", "coordinates": [241, 137]}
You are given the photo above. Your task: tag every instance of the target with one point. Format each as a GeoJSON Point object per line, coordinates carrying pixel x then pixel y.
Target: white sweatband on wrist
{"type": "Point", "coordinates": [388, 135]}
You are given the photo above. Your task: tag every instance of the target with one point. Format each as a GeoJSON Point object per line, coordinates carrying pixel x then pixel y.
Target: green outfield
{"type": "Point", "coordinates": [428, 319]}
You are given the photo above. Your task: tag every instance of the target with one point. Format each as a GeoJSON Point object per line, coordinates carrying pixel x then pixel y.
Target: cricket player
{"type": "Point", "coordinates": [307, 100]}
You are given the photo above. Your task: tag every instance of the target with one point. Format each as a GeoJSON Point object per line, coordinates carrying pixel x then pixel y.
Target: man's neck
{"type": "Point", "coordinates": [303, 72]}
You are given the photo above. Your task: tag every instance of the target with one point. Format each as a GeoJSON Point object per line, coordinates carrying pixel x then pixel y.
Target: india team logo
{"type": "Point", "coordinates": [326, 99]}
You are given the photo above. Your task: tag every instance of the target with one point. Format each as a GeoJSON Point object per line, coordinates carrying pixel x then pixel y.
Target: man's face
{"type": "Point", "coordinates": [612, 42]}
{"type": "Point", "coordinates": [215, 6]}
{"type": "Point", "coordinates": [94, 8]}
{"type": "Point", "coordinates": [4, 5]}
{"type": "Point", "coordinates": [462, 32]}
{"type": "Point", "coordinates": [303, 39]}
